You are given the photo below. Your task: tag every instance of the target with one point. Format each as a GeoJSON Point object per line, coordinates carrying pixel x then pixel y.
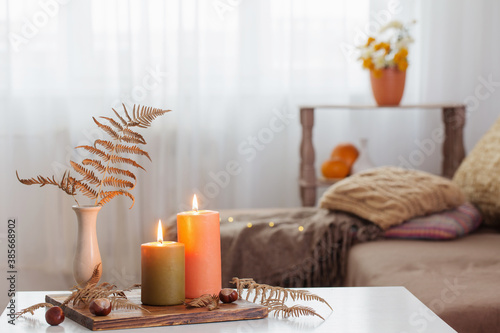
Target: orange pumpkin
{"type": "Point", "coordinates": [346, 152]}
{"type": "Point", "coordinates": [335, 168]}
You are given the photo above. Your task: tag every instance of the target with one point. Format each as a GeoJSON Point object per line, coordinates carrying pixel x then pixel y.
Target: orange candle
{"type": "Point", "coordinates": [162, 272]}
{"type": "Point", "coordinates": [199, 231]}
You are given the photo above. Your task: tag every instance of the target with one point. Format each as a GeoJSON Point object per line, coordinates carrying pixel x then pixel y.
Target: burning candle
{"type": "Point", "coordinates": [199, 231]}
{"type": "Point", "coordinates": [162, 272]}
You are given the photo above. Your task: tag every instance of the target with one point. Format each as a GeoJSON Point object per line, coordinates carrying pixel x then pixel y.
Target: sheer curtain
{"type": "Point", "coordinates": [234, 74]}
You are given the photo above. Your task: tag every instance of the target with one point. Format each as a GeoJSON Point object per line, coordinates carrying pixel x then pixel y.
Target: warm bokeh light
{"type": "Point", "coordinates": [159, 236]}
{"type": "Point", "coordinates": [195, 203]}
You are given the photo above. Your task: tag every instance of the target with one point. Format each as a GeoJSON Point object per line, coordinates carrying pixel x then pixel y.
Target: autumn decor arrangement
{"type": "Point", "coordinates": [386, 57]}
{"type": "Point", "coordinates": [101, 178]}
{"type": "Point", "coordinates": [340, 163]}
{"type": "Point", "coordinates": [180, 281]}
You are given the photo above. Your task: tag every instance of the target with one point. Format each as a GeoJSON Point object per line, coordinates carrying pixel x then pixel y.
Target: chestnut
{"type": "Point", "coordinates": [228, 295]}
{"type": "Point", "coordinates": [54, 316]}
{"type": "Point", "coordinates": [100, 307]}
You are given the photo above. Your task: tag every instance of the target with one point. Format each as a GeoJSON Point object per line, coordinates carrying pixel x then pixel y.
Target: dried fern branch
{"type": "Point", "coordinates": [281, 309]}
{"type": "Point", "coordinates": [32, 309]}
{"type": "Point", "coordinates": [83, 296]}
{"type": "Point", "coordinates": [100, 176]}
{"type": "Point", "coordinates": [275, 297]}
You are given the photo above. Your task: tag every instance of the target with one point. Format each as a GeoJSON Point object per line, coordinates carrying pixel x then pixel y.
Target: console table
{"type": "Point", "coordinates": [453, 145]}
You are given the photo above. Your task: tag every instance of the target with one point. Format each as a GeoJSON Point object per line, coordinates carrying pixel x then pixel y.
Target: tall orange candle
{"type": "Point", "coordinates": [199, 231]}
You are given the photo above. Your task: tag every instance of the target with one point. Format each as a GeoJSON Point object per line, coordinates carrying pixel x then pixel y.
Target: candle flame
{"type": "Point", "coordinates": [195, 203]}
{"type": "Point", "coordinates": [160, 233]}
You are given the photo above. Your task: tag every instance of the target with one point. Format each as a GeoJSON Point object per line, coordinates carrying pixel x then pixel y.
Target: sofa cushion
{"type": "Point", "coordinates": [388, 196]}
{"type": "Point", "coordinates": [448, 224]}
{"type": "Point", "coordinates": [479, 176]}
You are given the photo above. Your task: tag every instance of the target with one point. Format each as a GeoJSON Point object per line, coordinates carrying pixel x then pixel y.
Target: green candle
{"type": "Point", "coordinates": [162, 272]}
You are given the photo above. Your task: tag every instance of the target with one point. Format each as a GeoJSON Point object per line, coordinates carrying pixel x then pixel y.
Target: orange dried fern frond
{"type": "Point", "coordinates": [107, 153]}
{"type": "Point", "coordinates": [32, 309]}
{"type": "Point", "coordinates": [113, 181]}
{"type": "Point", "coordinates": [131, 150]}
{"type": "Point", "coordinates": [108, 195]}
{"type": "Point", "coordinates": [107, 129]}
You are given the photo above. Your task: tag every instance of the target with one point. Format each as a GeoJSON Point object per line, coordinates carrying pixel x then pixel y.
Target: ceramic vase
{"type": "Point", "coordinates": [87, 254]}
{"type": "Point", "coordinates": [364, 162]}
{"type": "Point", "coordinates": [389, 88]}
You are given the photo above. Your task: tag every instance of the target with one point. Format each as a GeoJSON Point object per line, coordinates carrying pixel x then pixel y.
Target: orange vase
{"type": "Point", "coordinates": [389, 88]}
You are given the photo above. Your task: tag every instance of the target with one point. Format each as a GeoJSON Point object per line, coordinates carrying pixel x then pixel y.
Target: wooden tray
{"type": "Point", "coordinates": [159, 315]}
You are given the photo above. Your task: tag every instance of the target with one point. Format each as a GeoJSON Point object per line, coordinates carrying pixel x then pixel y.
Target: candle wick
{"type": "Point", "coordinates": [161, 241]}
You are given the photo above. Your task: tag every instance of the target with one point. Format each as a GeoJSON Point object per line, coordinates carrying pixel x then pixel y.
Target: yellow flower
{"type": "Point", "coordinates": [368, 63]}
{"type": "Point", "coordinates": [402, 65]}
{"type": "Point", "coordinates": [369, 41]}
{"type": "Point", "coordinates": [400, 55]}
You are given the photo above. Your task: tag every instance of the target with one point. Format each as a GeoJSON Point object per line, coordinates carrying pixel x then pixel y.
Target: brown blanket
{"type": "Point", "coordinates": [285, 254]}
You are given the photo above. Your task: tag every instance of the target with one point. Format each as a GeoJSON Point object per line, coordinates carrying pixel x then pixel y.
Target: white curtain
{"type": "Point", "coordinates": [234, 74]}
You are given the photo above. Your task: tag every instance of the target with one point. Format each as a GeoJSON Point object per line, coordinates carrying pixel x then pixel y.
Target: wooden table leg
{"type": "Point", "coordinates": [307, 171]}
{"type": "Point", "coordinates": [453, 145]}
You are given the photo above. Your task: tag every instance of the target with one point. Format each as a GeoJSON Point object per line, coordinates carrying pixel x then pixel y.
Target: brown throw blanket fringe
{"type": "Point", "coordinates": [281, 254]}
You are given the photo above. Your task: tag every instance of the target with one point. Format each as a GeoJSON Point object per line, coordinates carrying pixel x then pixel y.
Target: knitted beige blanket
{"type": "Point", "coordinates": [293, 247]}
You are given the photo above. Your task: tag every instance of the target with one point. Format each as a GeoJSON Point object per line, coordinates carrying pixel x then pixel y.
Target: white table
{"type": "Point", "coordinates": [362, 309]}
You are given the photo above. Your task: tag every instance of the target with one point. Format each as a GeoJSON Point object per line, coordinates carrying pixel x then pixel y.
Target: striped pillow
{"type": "Point", "coordinates": [448, 224]}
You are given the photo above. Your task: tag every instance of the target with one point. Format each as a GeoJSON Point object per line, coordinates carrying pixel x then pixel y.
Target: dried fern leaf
{"type": "Point", "coordinates": [200, 302]}
{"type": "Point", "coordinates": [108, 145]}
{"type": "Point", "coordinates": [42, 181]}
{"type": "Point", "coordinates": [87, 174]}
{"type": "Point", "coordinates": [108, 195]}
{"type": "Point", "coordinates": [123, 172]}
{"type": "Point", "coordinates": [86, 190]}
{"type": "Point", "coordinates": [305, 295]}
{"type": "Point", "coordinates": [96, 275]}
{"type": "Point", "coordinates": [32, 309]}
{"type": "Point", "coordinates": [123, 303]}
{"type": "Point", "coordinates": [129, 133]}
{"type": "Point", "coordinates": [250, 289]}
{"type": "Point", "coordinates": [275, 293]}
{"type": "Point", "coordinates": [114, 123]}
{"type": "Point", "coordinates": [124, 123]}
{"type": "Point", "coordinates": [111, 132]}
{"type": "Point", "coordinates": [113, 181]}
{"type": "Point", "coordinates": [130, 139]}
{"type": "Point", "coordinates": [65, 184]}
{"type": "Point", "coordinates": [293, 311]}
{"type": "Point", "coordinates": [95, 151]}
{"type": "Point", "coordinates": [146, 115]}
{"type": "Point", "coordinates": [131, 150]}
{"type": "Point", "coordinates": [95, 163]}
{"type": "Point", "coordinates": [70, 298]}
{"type": "Point", "coordinates": [118, 159]}
{"type": "Point", "coordinates": [126, 113]}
